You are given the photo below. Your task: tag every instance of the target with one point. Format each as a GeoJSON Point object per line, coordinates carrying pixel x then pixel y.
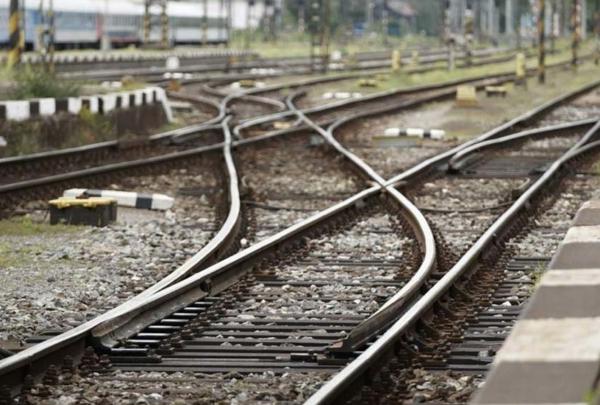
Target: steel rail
{"type": "Point", "coordinates": [200, 100]}
{"type": "Point", "coordinates": [106, 329]}
{"type": "Point", "coordinates": [14, 368]}
{"type": "Point", "coordinates": [244, 124]}
{"type": "Point", "coordinates": [391, 309]}
{"type": "Point", "coordinates": [501, 130]}
{"type": "Point", "coordinates": [424, 234]}
{"type": "Point", "coordinates": [209, 253]}
{"type": "Point", "coordinates": [98, 170]}
{"type": "Point", "coordinates": [457, 161]}
{"type": "Point", "coordinates": [294, 65]}
{"type": "Point", "coordinates": [221, 275]}
{"type": "Point", "coordinates": [367, 360]}
{"type": "Point", "coordinates": [165, 137]}
{"type": "Point", "coordinates": [201, 281]}
{"type": "Point", "coordinates": [190, 130]}
{"type": "Point", "coordinates": [439, 159]}
{"type": "Point", "coordinates": [387, 313]}
{"type": "Point", "coordinates": [300, 66]}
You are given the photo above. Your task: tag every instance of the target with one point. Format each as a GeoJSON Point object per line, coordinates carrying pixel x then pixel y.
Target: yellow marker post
{"type": "Point", "coordinates": [147, 22]}
{"type": "Point", "coordinates": [396, 61]}
{"type": "Point", "coordinates": [14, 34]}
{"type": "Point", "coordinates": [415, 58]}
{"type": "Point", "coordinates": [466, 96]}
{"type": "Point", "coordinates": [520, 69]}
{"type": "Point", "coordinates": [164, 19]}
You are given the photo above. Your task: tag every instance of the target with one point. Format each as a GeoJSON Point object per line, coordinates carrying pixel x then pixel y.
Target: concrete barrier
{"type": "Point", "coordinates": [552, 355]}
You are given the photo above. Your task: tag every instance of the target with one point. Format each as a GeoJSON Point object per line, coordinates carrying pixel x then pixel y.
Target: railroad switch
{"type": "Point", "coordinates": [93, 211]}
{"type": "Point", "coordinates": [521, 69]}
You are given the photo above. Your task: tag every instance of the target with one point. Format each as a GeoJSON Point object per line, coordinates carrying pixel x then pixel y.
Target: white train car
{"type": "Point", "coordinates": [187, 22]}
{"type": "Point", "coordinates": [84, 23]}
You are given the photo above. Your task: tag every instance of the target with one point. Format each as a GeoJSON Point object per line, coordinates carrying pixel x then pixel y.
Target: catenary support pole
{"type": "Point", "coordinates": [541, 27]}
{"type": "Point", "coordinates": [14, 34]}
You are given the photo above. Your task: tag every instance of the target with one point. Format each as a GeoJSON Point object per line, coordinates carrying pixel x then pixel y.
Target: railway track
{"type": "Point", "coordinates": [474, 297]}
{"type": "Point", "coordinates": [240, 283]}
{"type": "Point", "coordinates": [444, 355]}
{"type": "Point", "coordinates": [67, 163]}
{"type": "Point", "coordinates": [55, 162]}
{"type": "Point", "coordinates": [249, 63]}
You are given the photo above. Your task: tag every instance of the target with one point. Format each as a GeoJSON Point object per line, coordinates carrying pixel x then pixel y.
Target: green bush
{"type": "Point", "coordinates": [36, 83]}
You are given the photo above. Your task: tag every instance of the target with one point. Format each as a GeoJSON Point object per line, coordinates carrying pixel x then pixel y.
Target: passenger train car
{"type": "Point", "coordinates": [84, 23]}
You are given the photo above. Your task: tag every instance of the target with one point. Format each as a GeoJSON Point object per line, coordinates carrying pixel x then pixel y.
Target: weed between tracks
{"type": "Point", "coordinates": [35, 83]}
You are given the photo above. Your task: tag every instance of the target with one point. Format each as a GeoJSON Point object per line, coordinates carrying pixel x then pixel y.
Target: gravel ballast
{"type": "Point", "coordinates": [57, 280]}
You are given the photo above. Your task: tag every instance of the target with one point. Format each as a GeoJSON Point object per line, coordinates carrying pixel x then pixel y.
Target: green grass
{"type": "Point", "coordinates": [592, 397]}
{"type": "Point", "coordinates": [405, 78]}
{"type": "Point", "coordinates": [23, 256]}
{"type": "Point", "coordinates": [24, 226]}
{"type": "Point", "coordinates": [36, 83]}
{"type": "Point", "coordinates": [297, 45]}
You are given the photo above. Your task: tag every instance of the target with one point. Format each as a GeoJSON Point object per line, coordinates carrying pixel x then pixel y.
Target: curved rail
{"type": "Point", "coordinates": [494, 133]}
{"type": "Point", "coordinates": [202, 100]}
{"type": "Point", "coordinates": [337, 386]}
{"type": "Point", "coordinates": [389, 311]}
{"type": "Point", "coordinates": [458, 159]}
{"type": "Point", "coordinates": [113, 330]}
{"type": "Point", "coordinates": [214, 278]}
{"type": "Point", "coordinates": [14, 368]}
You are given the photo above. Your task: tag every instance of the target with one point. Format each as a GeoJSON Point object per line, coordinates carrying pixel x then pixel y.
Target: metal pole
{"type": "Point", "coordinates": [509, 26]}
{"type": "Point", "coordinates": [553, 25]}
{"type": "Point", "coordinates": [164, 19]}
{"type": "Point", "coordinates": [51, 37]}
{"type": "Point", "coordinates": [541, 26]}
{"type": "Point", "coordinates": [23, 27]}
{"type": "Point", "coordinates": [490, 19]}
{"type": "Point", "coordinates": [597, 32]}
{"type": "Point", "coordinates": [205, 23]}
{"type": "Point", "coordinates": [147, 22]}
{"type": "Point", "coordinates": [369, 19]}
{"type": "Point", "coordinates": [583, 18]}
{"type": "Point", "coordinates": [248, 22]}
{"type": "Point", "coordinates": [325, 33]}
{"type": "Point", "coordinates": [229, 19]}
{"type": "Point", "coordinates": [576, 26]}
{"type": "Point", "coordinates": [301, 16]}
{"type": "Point", "coordinates": [14, 34]}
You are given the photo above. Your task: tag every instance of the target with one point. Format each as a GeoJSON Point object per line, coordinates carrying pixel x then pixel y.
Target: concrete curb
{"type": "Point", "coordinates": [21, 110]}
{"type": "Point", "coordinates": [552, 356]}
